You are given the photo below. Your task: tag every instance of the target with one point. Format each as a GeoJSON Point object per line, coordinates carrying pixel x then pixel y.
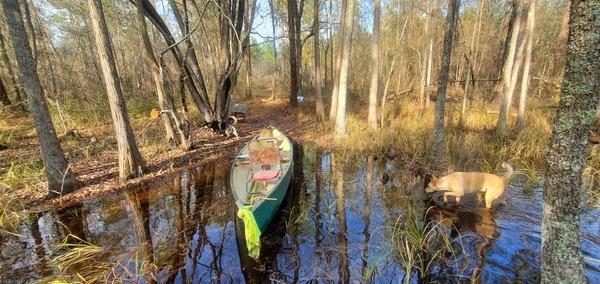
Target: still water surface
{"type": "Point", "coordinates": [335, 226]}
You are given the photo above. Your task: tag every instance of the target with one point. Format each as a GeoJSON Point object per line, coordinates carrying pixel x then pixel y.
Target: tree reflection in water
{"type": "Point", "coordinates": [334, 226]}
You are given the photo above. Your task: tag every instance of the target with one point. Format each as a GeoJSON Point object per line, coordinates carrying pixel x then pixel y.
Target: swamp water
{"type": "Point", "coordinates": [343, 220]}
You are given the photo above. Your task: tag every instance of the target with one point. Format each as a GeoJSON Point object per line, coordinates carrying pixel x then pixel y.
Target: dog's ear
{"type": "Point", "coordinates": [434, 178]}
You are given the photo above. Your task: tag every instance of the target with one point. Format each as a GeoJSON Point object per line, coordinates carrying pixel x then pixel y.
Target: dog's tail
{"type": "Point", "coordinates": [232, 120]}
{"type": "Point", "coordinates": [509, 171]}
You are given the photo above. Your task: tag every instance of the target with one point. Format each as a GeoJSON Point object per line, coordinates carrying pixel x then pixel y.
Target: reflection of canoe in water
{"type": "Point", "coordinates": [260, 176]}
{"type": "Point", "coordinates": [262, 269]}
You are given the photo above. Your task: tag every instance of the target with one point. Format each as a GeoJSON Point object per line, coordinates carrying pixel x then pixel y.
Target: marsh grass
{"type": "Point", "coordinates": [26, 175]}
{"type": "Point", "coordinates": [9, 209]}
{"type": "Point", "coordinates": [420, 246]}
{"type": "Point", "coordinates": [533, 179]}
{"type": "Point", "coordinates": [79, 261]}
{"type": "Point", "coordinates": [591, 177]}
{"type": "Point", "coordinates": [471, 144]}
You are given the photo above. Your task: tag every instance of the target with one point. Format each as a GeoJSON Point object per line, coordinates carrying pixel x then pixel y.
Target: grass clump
{"type": "Point", "coordinates": [420, 246]}
{"type": "Point", "coordinates": [79, 261]}
{"type": "Point", "coordinates": [9, 208]}
{"type": "Point", "coordinates": [26, 175]}
{"type": "Point", "coordinates": [591, 177]}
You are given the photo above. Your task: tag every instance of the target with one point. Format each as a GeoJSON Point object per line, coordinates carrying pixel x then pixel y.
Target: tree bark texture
{"type": "Point", "coordinates": [131, 164]}
{"type": "Point", "coordinates": [61, 179]}
{"type": "Point", "coordinates": [528, 52]}
{"type": "Point", "coordinates": [562, 260]}
{"type": "Point", "coordinates": [292, 8]}
{"type": "Point", "coordinates": [318, 82]}
{"type": "Point", "coordinates": [508, 70]}
{"type": "Point", "coordinates": [9, 69]}
{"type": "Point", "coordinates": [374, 66]}
{"type": "Point", "coordinates": [169, 114]}
{"type": "Point", "coordinates": [338, 63]}
{"type": "Point", "coordinates": [437, 137]}
{"type": "Point", "coordinates": [340, 120]}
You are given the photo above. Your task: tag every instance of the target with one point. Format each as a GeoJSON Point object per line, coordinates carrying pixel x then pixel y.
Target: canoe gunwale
{"type": "Point", "coordinates": [240, 170]}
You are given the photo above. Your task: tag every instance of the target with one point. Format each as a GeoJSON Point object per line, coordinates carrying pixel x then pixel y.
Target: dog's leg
{"type": "Point", "coordinates": [492, 195]}
{"type": "Point", "coordinates": [456, 195]}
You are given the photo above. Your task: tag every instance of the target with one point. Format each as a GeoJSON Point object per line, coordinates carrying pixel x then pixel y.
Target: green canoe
{"type": "Point", "coordinates": [260, 176]}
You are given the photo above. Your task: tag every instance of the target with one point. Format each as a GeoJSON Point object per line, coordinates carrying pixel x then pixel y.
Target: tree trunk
{"type": "Point", "coordinates": [562, 260]}
{"type": "Point", "coordinates": [470, 59]}
{"type": "Point", "coordinates": [507, 43]}
{"type": "Point", "coordinates": [508, 70]}
{"type": "Point", "coordinates": [374, 66]}
{"type": "Point", "coordinates": [338, 64]}
{"type": "Point", "coordinates": [248, 61]}
{"type": "Point", "coordinates": [235, 24]}
{"type": "Point", "coordinates": [292, 14]}
{"type": "Point", "coordinates": [131, 164]}
{"type": "Point", "coordinates": [194, 78]}
{"type": "Point", "coordinates": [273, 29]}
{"type": "Point", "coordinates": [330, 35]}
{"type": "Point", "coordinates": [340, 120]}
{"type": "Point", "coordinates": [424, 62]}
{"type": "Point", "coordinates": [385, 91]}
{"type": "Point", "coordinates": [300, 45]}
{"type": "Point", "coordinates": [200, 96]}
{"type": "Point", "coordinates": [429, 66]}
{"type": "Point", "coordinates": [61, 179]}
{"type": "Point", "coordinates": [319, 96]}
{"type": "Point", "coordinates": [9, 70]}
{"type": "Point", "coordinates": [437, 137]}
{"type": "Point", "coordinates": [526, 67]}
{"type": "Point", "coordinates": [30, 31]}
{"type": "Point", "coordinates": [169, 112]}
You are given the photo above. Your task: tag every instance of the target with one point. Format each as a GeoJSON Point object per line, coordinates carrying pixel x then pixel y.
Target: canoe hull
{"type": "Point", "coordinates": [266, 205]}
{"type": "Point", "coordinates": [267, 209]}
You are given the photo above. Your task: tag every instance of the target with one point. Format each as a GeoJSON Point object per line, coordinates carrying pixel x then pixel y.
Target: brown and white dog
{"type": "Point", "coordinates": [459, 183]}
{"type": "Point", "coordinates": [226, 128]}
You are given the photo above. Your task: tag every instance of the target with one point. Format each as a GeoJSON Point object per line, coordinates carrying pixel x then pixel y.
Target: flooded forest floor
{"type": "Point", "coordinates": [99, 174]}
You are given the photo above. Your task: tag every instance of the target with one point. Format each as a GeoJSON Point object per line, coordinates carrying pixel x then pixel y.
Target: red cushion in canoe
{"type": "Point", "coordinates": [265, 175]}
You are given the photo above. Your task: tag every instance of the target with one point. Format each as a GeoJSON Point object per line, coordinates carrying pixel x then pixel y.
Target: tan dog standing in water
{"type": "Point", "coordinates": [459, 183]}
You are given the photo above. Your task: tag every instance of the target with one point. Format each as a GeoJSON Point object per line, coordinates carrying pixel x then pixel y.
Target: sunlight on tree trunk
{"type": "Point", "coordinates": [338, 64]}
{"type": "Point", "coordinates": [131, 164]}
{"type": "Point", "coordinates": [528, 51]}
{"type": "Point", "coordinates": [374, 66]}
{"type": "Point", "coordinates": [340, 120]}
{"type": "Point", "coordinates": [508, 71]}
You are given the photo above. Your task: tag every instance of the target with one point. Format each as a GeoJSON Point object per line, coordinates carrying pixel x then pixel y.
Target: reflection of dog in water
{"type": "Point", "coordinates": [226, 127]}
{"type": "Point", "coordinates": [480, 221]}
{"type": "Point", "coordinates": [459, 183]}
